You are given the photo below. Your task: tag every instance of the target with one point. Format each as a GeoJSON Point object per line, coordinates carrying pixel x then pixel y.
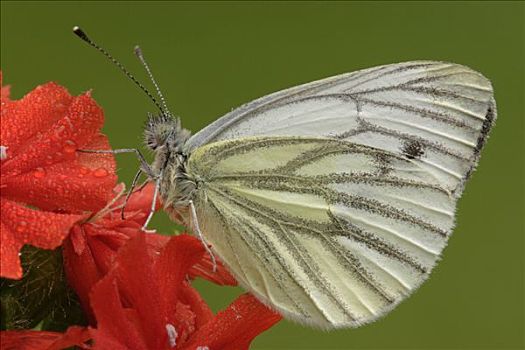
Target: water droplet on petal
{"type": "Point", "coordinates": [70, 147]}
{"type": "Point", "coordinates": [39, 173]}
{"type": "Point", "coordinates": [21, 226]}
{"type": "Point", "coordinates": [3, 152]}
{"type": "Point", "coordinates": [60, 130]}
{"type": "Point", "coordinates": [100, 172]}
{"type": "Point", "coordinates": [172, 335]}
{"type": "Point", "coordinates": [84, 170]}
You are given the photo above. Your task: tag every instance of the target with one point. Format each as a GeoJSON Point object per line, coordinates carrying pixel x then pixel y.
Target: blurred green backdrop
{"type": "Point", "coordinates": [212, 56]}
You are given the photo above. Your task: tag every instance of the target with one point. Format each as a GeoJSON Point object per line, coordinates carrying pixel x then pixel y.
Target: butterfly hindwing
{"type": "Point", "coordinates": [328, 232]}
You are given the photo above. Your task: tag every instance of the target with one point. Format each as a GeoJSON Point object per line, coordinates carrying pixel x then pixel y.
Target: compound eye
{"type": "Point", "coordinates": [157, 130]}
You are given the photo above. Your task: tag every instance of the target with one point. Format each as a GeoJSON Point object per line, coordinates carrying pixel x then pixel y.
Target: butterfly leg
{"type": "Point", "coordinates": [196, 228]}
{"type": "Point", "coordinates": [153, 203]}
{"type": "Point", "coordinates": [131, 188]}
{"type": "Point", "coordinates": [143, 163]}
{"type": "Point", "coordinates": [144, 167]}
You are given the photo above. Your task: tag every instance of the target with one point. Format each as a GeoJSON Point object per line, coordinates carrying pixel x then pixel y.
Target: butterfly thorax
{"type": "Point", "coordinates": [165, 136]}
{"type": "Point", "coordinates": [176, 186]}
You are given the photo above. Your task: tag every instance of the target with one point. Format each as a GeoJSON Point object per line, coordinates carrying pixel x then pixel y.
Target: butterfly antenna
{"type": "Point", "coordinates": [82, 35]}
{"type": "Point", "coordinates": [140, 56]}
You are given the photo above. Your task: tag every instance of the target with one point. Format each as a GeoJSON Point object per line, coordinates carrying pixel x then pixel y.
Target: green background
{"type": "Point", "coordinates": [210, 57]}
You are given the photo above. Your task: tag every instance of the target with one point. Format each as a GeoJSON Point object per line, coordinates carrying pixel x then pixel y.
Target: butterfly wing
{"type": "Point", "coordinates": [332, 201]}
{"type": "Point", "coordinates": [439, 113]}
{"type": "Point", "coordinates": [330, 233]}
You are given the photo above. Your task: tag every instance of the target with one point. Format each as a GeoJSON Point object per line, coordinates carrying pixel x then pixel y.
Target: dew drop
{"type": "Point", "coordinates": [3, 152]}
{"type": "Point", "coordinates": [70, 147]}
{"type": "Point", "coordinates": [84, 170]}
{"type": "Point", "coordinates": [21, 226]}
{"type": "Point", "coordinates": [39, 173]}
{"type": "Point", "coordinates": [100, 172]}
{"type": "Point", "coordinates": [59, 131]}
{"type": "Point", "coordinates": [172, 335]}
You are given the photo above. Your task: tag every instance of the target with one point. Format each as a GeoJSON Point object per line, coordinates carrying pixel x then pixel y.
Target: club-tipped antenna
{"type": "Point", "coordinates": [82, 35]}
{"type": "Point", "coordinates": [140, 56]}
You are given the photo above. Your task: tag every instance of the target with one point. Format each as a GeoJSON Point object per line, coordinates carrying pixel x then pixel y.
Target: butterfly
{"type": "Point", "coordinates": [331, 201]}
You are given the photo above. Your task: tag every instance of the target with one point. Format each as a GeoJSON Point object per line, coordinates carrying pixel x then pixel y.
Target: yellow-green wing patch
{"type": "Point", "coordinates": [330, 233]}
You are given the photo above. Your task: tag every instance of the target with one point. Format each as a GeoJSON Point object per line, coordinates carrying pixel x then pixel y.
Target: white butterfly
{"type": "Point", "coordinates": [331, 201]}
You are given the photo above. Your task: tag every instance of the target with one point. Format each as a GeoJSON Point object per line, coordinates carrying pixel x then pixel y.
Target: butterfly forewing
{"type": "Point", "coordinates": [437, 112]}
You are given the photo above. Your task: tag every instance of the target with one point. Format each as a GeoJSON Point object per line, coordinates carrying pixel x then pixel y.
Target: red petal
{"type": "Point", "coordinates": [35, 112]}
{"type": "Point", "coordinates": [134, 271]}
{"type": "Point", "coordinates": [179, 254]}
{"type": "Point", "coordinates": [89, 254]}
{"type": "Point", "coordinates": [27, 340]}
{"type": "Point", "coordinates": [82, 273]}
{"type": "Point", "coordinates": [84, 183]}
{"type": "Point", "coordinates": [141, 199]}
{"type": "Point", "coordinates": [9, 249]}
{"type": "Point", "coordinates": [204, 269]}
{"type": "Point", "coordinates": [150, 285]}
{"type": "Point", "coordinates": [114, 328]}
{"type": "Point", "coordinates": [104, 248]}
{"type": "Point", "coordinates": [74, 335]}
{"type": "Point", "coordinates": [189, 296]}
{"type": "Point", "coordinates": [97, 160]}
{"type": "Point", "coordinates": [74, 130]}
{"type": "Point", "coordinates": [235, 327]}
{"type": "Point", "coordinates": [157, 241]}
{"type": "Point", "coordinates": [39, 228]}
{"type": "Point", "coordinates": [91, 250]}
{"type": "Point", "coordinates": [39, 340]}
{"type": "Point", "coordinates": [22, 225]}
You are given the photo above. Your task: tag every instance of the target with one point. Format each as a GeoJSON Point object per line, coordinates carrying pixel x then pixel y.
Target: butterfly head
{"type": "Point", "coordinates": [164, 133]}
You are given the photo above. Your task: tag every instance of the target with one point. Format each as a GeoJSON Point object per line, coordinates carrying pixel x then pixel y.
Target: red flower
{"type": "Point", "coordinates": [40, 167]}
{"type": "Point", "coordinates": [145, 302]}
{"type": "Point", "coordinates": [134, 287]}
{"type": "Point", "coordinates": [91, 248]}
